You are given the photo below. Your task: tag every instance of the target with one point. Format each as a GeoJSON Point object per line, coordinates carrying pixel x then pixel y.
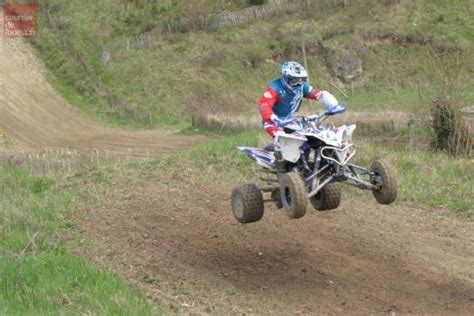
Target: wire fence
{"type": "Point", "coordinates": [226, 19]}
{"type": "Point", "coordinates": [62, 162]}
{"type": "Point", "coordinates": [406, 131]}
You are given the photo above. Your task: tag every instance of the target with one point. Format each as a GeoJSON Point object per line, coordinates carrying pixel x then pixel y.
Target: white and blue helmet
{"type": "Point", "coordinates": [294, 75]}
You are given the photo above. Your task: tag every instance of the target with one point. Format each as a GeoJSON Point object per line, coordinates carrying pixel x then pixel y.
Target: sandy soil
{"type": "Point", "coordinates": [178, 241]}
{"type": "Point", "coordinates": [35, 116]}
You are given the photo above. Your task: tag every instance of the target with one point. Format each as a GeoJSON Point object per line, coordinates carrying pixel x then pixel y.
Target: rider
{"type": "Point", "coordinates": [284, 96]}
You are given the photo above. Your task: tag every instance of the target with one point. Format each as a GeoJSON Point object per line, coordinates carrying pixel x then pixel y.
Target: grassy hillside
{"type": "Point", "coordinates": [407, 49]}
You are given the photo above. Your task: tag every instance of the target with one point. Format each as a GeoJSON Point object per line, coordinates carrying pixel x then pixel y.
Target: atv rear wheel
{"type": "Point", "coordinates": [385, 178]}
{"type": "Point", "coordinates": [293, 195]}
{"type": "Point", "coordinates": [328, 198]}
{"type": "Point", "coordinates": [247, 203]}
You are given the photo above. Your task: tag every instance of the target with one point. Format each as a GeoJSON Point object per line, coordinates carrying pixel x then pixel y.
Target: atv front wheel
{"type": "Point", "coordinates": [247, 203]}
{"type": "Point", "coordinates": [328, 198]}
{"type": "Point", "coordinates": [384, 178]}
{"type": "Point", "coordinates": [293, 195]}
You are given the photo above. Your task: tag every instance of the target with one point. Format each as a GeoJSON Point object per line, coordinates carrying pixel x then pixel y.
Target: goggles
{"type": "Point", "coordinates": [293, 81]}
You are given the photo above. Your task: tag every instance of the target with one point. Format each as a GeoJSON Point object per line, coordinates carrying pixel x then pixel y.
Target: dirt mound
{"type": "Point", "coordinates": [34, 115]}
{"type": "Point", "coordinates": [187, 252]}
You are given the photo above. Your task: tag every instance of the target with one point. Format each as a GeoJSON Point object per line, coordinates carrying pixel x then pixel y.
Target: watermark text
{"type": "Point", "coordinates": [20, 20]}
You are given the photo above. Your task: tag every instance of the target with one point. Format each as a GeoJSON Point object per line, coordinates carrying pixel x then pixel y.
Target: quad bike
{"type": "Point", "coordinates": [313, 159]}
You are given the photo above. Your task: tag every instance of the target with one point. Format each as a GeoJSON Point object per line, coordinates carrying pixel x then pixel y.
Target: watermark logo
{"type": "Point", "coordinates": [20, 20]}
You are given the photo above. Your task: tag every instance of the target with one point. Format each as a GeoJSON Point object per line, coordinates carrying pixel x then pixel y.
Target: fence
{"type": "Point", "coordinates": [226, 19]}
{"type": "Point", "coordinates": [404, 131]}
{"type": "Point", "coordinates": [53, 162]}
{"type": "Point", "coordinates": [62, 162]}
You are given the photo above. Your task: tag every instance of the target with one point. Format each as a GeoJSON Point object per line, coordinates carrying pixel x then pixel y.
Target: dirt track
{"type": "Point", "coordinates": [35, 116]}
{"type": "Point", "coordinates": [187, 252]}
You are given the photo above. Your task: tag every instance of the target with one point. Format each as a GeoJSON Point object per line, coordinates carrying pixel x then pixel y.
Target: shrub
{"type": "Point", "coordinates": [451, 132]}
{"type": "Point", "coordinates": [444, 122]}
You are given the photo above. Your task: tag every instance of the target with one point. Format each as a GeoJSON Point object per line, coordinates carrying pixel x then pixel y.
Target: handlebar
{"type": "Point", "coordinates": [319, 118]}
{"type": "Point", "coordinates": [316, 117]}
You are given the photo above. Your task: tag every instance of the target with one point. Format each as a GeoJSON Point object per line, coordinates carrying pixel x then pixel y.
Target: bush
{"type": "Point", "coordinates": [444, 122]}
{"type": "Point", "coordinates": [451, 133]}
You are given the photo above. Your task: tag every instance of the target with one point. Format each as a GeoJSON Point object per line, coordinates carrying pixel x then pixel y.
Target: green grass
{"type": "Point", "coordinates": [367, 101]}
{"type": "Point", "coordinates": [432, 179]}
{"type": "Point", "coordinates": [216, 161]}
{"type": "Point", "coordinates": [37, 273]}
{"type": "Point", "coordinates": [76, 86]}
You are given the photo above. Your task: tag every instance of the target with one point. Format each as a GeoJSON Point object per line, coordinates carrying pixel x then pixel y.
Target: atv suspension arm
{"type": "Point", "coordinates": [315, 191]}
{"type": "Point", "coordinates": [270, 183]}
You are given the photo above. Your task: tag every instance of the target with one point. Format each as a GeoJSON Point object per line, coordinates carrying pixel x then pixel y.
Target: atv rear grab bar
{"type": "Point", "coordinates": [343, 163]}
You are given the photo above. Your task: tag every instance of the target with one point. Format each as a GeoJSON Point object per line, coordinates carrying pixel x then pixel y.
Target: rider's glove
{"type": "Point", "coordinates": [282, 121]}
{"type": "Point", "coordinates": [338, 109]}
{"type": "Point", "coordinates": [328, 100]}
{"type": "Point", "coordinates": [312, 117]}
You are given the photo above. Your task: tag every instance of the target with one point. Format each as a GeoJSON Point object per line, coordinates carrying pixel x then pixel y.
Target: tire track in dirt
{"type": "Point", "coordinates": [36, 116]}
{"type": "Point", "coordinates": [361, 258]}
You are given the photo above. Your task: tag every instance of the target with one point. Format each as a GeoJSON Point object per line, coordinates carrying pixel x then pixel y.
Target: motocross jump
{"type": "Point", "coordinates": [313, 159]}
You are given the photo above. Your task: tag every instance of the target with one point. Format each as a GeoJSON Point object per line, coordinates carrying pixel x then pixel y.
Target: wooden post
{"type": "Point", "coordinates": [303, 48]}
{"type": "Point", "coordinates": [412, 126]}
